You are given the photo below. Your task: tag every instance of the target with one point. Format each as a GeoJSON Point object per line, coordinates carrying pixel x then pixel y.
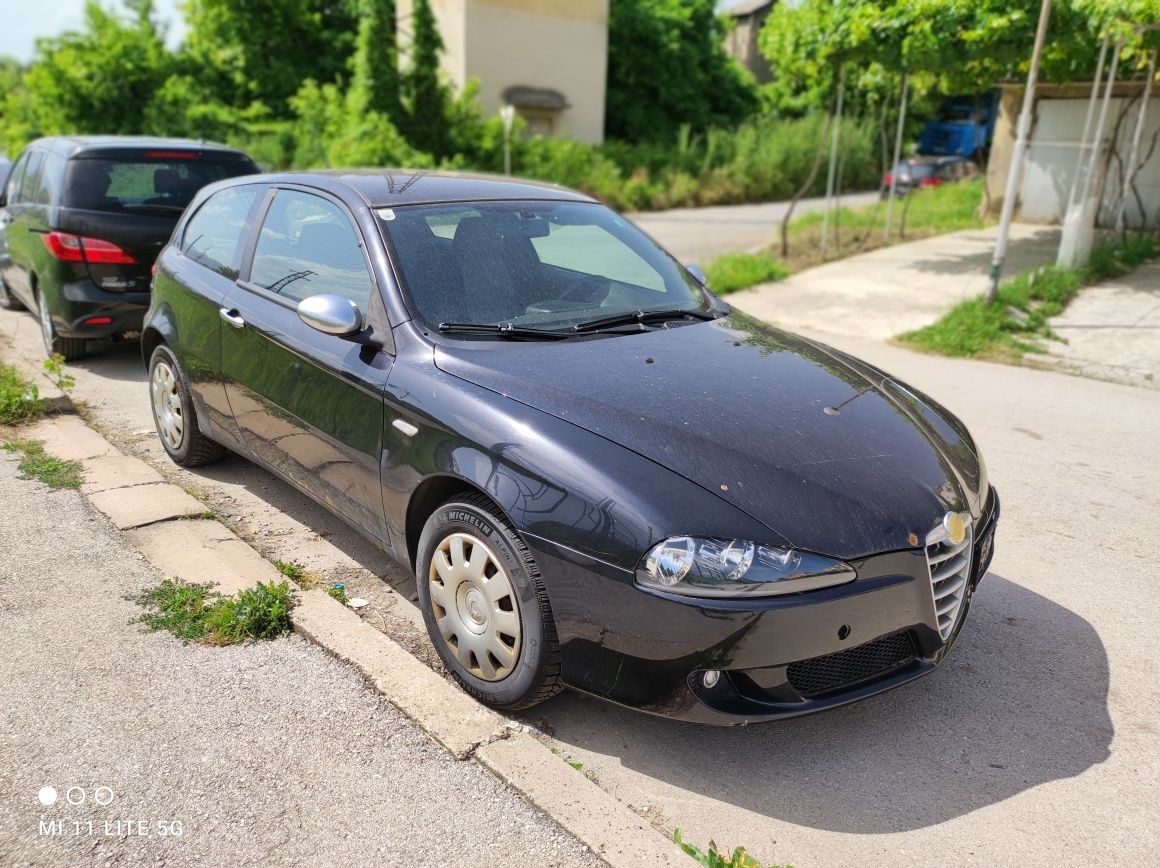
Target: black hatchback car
{"type": "Point", "coordinates": [84, 219]}
{"type": "Point", "coordinates": [600, 474]}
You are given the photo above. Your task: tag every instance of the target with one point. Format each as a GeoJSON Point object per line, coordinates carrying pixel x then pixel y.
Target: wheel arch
{"type": "Point", "coordinates": [429, 495]}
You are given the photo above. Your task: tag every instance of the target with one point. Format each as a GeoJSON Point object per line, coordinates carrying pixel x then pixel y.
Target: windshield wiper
{"type": "Point", "coordinates": [503, 330]}
{"type": "Point", "coordinates": [158, 209]}
{"type": "Point", "coordinates": [641, 316]}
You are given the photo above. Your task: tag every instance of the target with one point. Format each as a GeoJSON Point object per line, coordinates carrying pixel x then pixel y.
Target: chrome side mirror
{"type": "Point", "coordinates": [331, 314]}
{"type": "Point", "coordinates": [699, 273]}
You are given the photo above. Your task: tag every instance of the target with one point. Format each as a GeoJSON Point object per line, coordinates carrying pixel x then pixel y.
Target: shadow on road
{"type": "Point", "coordinates": [1021, 701]}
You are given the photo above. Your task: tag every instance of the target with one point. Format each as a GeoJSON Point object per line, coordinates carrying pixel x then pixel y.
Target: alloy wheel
{"type": "Point", "coordinates": [475, 606]}
{"type": "Point", "coordinates": [167, 405]}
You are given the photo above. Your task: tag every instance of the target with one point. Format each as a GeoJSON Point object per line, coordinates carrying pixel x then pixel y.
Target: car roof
{"type": "Point", "coordinates": [71, 146]}
{"type": "Point", "coordinates": [382, 188]}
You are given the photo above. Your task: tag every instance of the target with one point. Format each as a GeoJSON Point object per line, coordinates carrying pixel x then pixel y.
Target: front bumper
{"type": "Point", "coordinates": [778, 657]}
{"type": "Point", "coordinates": [77, 303]}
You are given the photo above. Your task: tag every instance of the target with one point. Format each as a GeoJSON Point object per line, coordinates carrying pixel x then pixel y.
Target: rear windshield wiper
{"type": "Point", "coordinates": [503, 330]}
{"type": "Point", "coordinates": [641, 316]}
{"type": "Point", "coordinates": [157, 209]}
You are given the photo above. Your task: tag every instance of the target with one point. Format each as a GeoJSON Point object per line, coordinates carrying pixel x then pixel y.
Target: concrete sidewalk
{"type": "Point", "coordinates": [271, 753]}
{"type": "Point", "coordinates": [1112, 331]}
{"type": "Point", "coordinates": [701, 234]}
{"type": "Point", "coordinates": [886, 292]}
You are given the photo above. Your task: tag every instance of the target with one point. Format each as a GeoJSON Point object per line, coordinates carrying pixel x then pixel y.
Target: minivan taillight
{"type": "Point", "coordinates": [76, 248]}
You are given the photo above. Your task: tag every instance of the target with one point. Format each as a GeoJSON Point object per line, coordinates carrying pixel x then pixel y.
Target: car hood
{"type": "Point", "coordinates": [822, 449]}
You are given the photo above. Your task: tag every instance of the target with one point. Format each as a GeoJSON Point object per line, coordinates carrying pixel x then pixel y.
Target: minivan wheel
{"type": "Point", "coordinates": [173, 413]}
{"type": "Point", "coordinates": [7, 300]}
{"type": "Point", "coordinates": [71, 348]}
{"type": "Point", "coordinates": [485, 606]}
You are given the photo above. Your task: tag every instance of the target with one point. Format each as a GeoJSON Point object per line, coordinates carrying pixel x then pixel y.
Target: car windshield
{"type": "Point", "coordinates": [532, 265]}
{"type": "Point", "coordinates": [162, 182]}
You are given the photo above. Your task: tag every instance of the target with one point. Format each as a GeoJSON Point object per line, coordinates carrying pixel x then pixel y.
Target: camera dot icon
{"type": "Point", "coordinates": [47, 796]}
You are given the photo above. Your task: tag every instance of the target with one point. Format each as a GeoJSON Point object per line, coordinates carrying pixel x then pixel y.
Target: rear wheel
{"type": "Point", "coordinates": [173, 413]}
{"type": "Point", "coordinates": [485, 606]}
{"type": "Point", "coordinates": [71, 348]}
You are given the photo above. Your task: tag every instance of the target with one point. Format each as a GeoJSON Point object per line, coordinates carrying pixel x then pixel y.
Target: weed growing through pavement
{"type": "Point", "coordinates": [298, 574]}
{"type": "Point", "coordinates": [35, 463]}
{"type": "Point", "coordinates": [338, 592]}
{"type": "Point", "coordinates": [19, 399]}
{"type": "Point", "coordinates": [54, 367]}
{"type": "Point", "coordinates": [715, 859]}
{"type": "Point", "coordinates": [197, 613]}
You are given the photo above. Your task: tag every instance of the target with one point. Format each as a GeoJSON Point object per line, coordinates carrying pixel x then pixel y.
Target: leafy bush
{"type": "Point", "coordinates": [19, 399]}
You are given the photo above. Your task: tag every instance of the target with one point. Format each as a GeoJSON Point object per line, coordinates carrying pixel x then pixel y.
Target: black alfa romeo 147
{"type": "Point", "coordinates": [601, 475]}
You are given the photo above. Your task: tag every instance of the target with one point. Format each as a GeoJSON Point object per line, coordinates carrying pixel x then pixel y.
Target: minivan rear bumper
{"type": "Point", "coordinates": [83, 301]}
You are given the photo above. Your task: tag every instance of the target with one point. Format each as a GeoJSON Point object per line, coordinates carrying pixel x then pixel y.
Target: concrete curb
{"type": "Point", "coordinates": [163, 524]}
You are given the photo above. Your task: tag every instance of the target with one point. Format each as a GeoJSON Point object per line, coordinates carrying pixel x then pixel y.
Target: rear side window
{"type": "Point", "coordinates": [31, 175]}
{"type": "Point", "coordinates": [144, 184]}
{"type": "Point", "coordinates": [214, 236]}
{"type": "Point", "coordinates": [308, 247]}
{"type": "Point", "coordinates": [44, 190]}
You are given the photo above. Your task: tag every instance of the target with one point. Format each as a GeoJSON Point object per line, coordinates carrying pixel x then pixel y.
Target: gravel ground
{"type": "Point", "coordinates": [267, 754]}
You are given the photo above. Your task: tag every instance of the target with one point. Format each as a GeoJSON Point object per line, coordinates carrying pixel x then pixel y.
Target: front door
{"type": "Point", "coordinates": [308, 404]}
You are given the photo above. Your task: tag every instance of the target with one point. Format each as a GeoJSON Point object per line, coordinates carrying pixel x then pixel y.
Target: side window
{"type": "Point", "coordinates": [13, 189]}
{"type": "Point", "coordinates": [592, 250]}
{"type": "Point", "coordinates": [308, 247]}
{"type": "Point", "coordinates": [31, 176]}
{"type": "Point", "coordinates": [213, 237]}
{"type": "Point", "coordinates": [47, 186]}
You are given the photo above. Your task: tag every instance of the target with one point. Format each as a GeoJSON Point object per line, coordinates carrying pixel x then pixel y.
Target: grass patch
{"type": "Point", "coordinates": [19, 399]}
{"type": "Point", "coordinates": [735, 271]}
{"type": "Point", "coordinates": [35, 463]}
{"type": "Point", "coordinates": [1018, 322]}
{"type": "Point", "coordinates": [928, 212]}
{"type": "Point", "coordinates": [290, 569]}
{"type": "Point", "coordinates": [197, 613]}
{"type": "Point", "coordinates": [337, 591]}
{"type": "Point", "coordinates": [715, 859]}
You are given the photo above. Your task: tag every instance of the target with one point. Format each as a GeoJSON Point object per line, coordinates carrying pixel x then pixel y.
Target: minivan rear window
{"type": "Point", "coordinates": [144, 184]}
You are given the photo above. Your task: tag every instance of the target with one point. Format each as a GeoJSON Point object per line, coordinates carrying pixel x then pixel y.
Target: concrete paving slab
{"type": "Point", "coordinates": [69, 438]}
{"type": "Point", "coordinates": [610, 829]}
{"type": "Point", "coordinates": [450, 716]}
{"type": "Point", "coordinates": [1112, 331]}
{"type": "Point", "coordinates": [116, 471]}
{"type": "Point", "coordinates": [202, 550]}
{"type": "Point", "coordinates": [886, 292]}
{"type": "Point", "coordinates": [145, 504]}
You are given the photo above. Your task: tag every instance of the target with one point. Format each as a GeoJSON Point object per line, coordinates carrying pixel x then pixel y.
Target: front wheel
{"type": "Point", "coordinates": [71, 348]}
{"type": "Point", "coordinates": [173, 413]}
{"type": "Point", "coordinates": [485, 606]}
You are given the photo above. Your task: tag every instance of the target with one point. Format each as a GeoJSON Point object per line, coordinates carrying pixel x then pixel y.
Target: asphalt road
{"type": "Point", "coordinates": [267, 754]}
{"type": "Point", "coordinates": [700, 234]}
{"type": "Point", "coordinates": [1035, 744]}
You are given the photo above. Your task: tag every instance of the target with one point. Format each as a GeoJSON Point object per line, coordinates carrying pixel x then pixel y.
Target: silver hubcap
{"type": "Point", "coordinates": [167, 405]}
{"type": "Point", "coordinates": [475, 607]}
{"type": "Point", "coordinates": [46, 324]}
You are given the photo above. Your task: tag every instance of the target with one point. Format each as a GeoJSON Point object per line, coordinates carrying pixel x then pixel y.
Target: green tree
{"type": "Point", "coordinates": [262, 51]}
{"type": "Point", "coordinates": [667, 67]}
{"type": "Point", "coordinates": [96, 80]}
{"type": "Point", "coordinates": [428, 98]}
{"type": "Point", "coordinates": [376, 58]}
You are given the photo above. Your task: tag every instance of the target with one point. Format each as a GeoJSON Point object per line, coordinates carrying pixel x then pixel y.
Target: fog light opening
{"type": "Point", "coordinates": [711, 677]}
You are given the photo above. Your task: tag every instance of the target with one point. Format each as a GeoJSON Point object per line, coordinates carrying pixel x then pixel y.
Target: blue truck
{"type": "Point", "coordinates": [964, 126]}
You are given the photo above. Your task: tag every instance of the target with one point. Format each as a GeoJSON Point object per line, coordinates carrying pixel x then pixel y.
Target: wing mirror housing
{"type": "Point", "coordinates": [699, 273]}
{"type": "Point", "coordinates": [331, 315]}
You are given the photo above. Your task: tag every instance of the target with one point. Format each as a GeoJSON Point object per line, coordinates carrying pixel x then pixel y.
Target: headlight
{"type": "Point", "coordinates": [736, 568]}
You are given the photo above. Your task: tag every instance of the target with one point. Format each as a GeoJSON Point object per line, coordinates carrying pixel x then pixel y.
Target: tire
{"type": "Point", "coordinates": [471, 621]}
{"type": "Point", "coordinates": [7, 300]}
{"type": "Point", "coordinates": [71, 348]}
{"type": "Point", "coordinates": [173, 413]}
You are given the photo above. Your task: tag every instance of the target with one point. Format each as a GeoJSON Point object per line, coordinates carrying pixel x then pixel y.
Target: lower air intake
{"type": "Point", "coordinates": [845, 669]}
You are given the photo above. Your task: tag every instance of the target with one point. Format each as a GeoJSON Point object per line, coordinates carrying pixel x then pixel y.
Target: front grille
{"type": "Point", "coordinates": [820, 675]}
{"type": "Point", "coordinates": [950, 570]}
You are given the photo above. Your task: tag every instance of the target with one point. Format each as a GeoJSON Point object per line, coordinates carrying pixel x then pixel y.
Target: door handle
{"type": "Point", "coordinates": [232, 317]}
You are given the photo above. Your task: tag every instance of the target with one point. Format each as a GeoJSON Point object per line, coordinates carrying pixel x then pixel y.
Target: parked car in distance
{"type": "Point", "coordinates": [601, 475]}
{"type": "Point", "coordinates": [918, 172]}
{"type": "Point", "coordinates": [5, 170]}
{"type": "Point", "coordinates": [84, 219]}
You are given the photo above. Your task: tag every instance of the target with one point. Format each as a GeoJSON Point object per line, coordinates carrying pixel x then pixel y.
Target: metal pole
{"type": "Point", "coordinates": [833, 163]}
{"type": "Point", "coordinates": [897, 155]}
{"type": "Point", "coordinates": [1013, 170]}
{"type": "Point", "coordinates": [1087, 122]}
{"type": "Point", "coordinates": [1130, 170]}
